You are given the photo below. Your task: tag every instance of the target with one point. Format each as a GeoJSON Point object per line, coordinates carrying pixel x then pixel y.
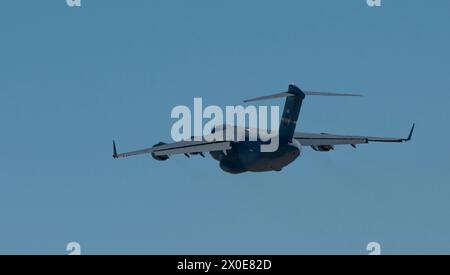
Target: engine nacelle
{"type": "Point", "coordinates": [160, 157]}
{"type": "Point", "coordinates": [322, 148]}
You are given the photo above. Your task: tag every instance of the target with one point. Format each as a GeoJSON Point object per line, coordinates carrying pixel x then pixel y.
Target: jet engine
{"type": "Point", "coordinates": [322, 148]}
{"type": "Point", "coordinates": [160, 157]}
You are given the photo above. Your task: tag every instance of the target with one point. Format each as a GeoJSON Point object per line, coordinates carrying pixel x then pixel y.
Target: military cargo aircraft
{"type": "Point", "coordinates": [237, 156]}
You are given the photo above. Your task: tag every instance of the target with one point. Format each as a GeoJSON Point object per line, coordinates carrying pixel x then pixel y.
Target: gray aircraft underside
{"type": "Point", "coordinates": [236, 156]}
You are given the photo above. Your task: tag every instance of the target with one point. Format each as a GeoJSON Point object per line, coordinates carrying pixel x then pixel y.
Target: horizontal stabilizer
{"type": "Point", "coordinates": [292, 92]}
{"type": "Point", "coordinates": [283, 94]}
{"type": "Point", "coordinates": [328, 94]}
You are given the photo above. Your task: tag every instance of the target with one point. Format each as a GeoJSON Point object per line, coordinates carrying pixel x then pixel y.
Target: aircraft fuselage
{"type": "Point", "coordinates": [247, 157]}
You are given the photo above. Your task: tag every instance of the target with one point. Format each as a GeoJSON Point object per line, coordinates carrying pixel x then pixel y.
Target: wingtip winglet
{"type": "Point", "coordinates": [114, 149]}
{"type": "Point", "coordinates": [411, 132]}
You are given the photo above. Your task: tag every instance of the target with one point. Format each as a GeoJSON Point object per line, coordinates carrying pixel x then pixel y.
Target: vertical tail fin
{"type": "Point", "coordinates": [291, 112]}
{"type": "Point", "coordinates": [294, 98]}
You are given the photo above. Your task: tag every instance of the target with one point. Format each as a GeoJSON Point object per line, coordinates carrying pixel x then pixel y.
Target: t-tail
{"type": "Point", "coordinates": [294, 99]}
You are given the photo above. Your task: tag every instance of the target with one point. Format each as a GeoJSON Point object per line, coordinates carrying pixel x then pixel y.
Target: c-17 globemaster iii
{"type": "Point", "coordinates": [237, 156]}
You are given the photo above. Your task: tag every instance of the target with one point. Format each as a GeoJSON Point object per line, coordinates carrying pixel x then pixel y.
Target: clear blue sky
{"type": "Point", "coordinates": [71, 80]}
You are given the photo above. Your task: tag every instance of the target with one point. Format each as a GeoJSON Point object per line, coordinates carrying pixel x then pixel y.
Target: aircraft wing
{"type": "Point", "coordinates": [309, 139]}
{"type": "Point", "coordinates": [182, 147]}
